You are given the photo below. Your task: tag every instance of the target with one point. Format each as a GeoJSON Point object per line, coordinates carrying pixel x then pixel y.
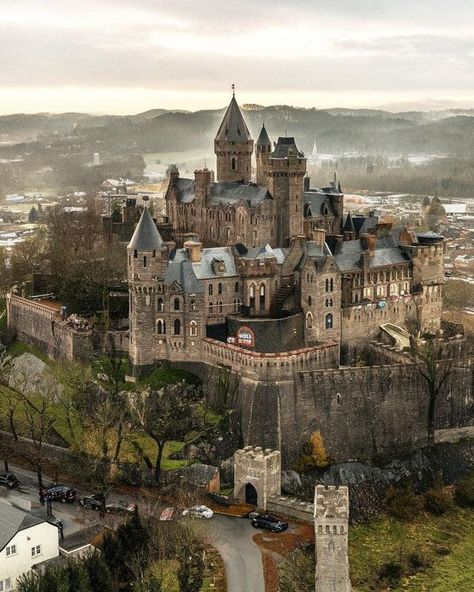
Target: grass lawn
{"type": "Point", "coordinates": [445, 543]}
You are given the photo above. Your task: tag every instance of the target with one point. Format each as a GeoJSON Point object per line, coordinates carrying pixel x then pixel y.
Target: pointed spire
{"type": "Point", "coordinates": [146, 236]}
{"type": "Point", "coordinates": [263, 139]}
{"type": "Point", "coordinates": [349, 223]}
{"type": "Point", "coordinates": [233, 127]}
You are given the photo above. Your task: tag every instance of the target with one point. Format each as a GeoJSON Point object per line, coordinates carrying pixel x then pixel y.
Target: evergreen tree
{"type": "Point", "coordinates": [191, 570]}
{"type": "Point", "coordinates": [100, 577]}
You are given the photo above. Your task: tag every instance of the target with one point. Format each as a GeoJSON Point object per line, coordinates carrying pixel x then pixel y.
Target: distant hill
{"type": "Point", "coordinates": [368, 131]}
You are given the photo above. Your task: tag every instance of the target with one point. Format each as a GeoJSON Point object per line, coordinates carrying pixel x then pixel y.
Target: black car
{"type": "Point", "coordinates": [93, 502]}
{"type": "Point", "coordinates": [269, 522]}
{"type": "Point", "coordinates": [9, 480]}
{"type": "Point", "coordinates": [60, 493]}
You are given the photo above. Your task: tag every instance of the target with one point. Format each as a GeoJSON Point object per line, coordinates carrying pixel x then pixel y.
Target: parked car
{"type": "Point", "coordinates": [120, 508]}
{"type": "Point", "coordinates": [9, 480]}
{"type": "Point", "coordinates": [93, 502]}
{"type": "Point", "coordinates": [59, 493]}
{"type": "Point", "coordinates": [199, 512]}
{"type": "Point", "coordinates": [269, 522]}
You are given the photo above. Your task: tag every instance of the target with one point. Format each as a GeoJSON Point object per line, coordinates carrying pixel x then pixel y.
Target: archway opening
{"type": "Point", "coordinates": [251, 496]}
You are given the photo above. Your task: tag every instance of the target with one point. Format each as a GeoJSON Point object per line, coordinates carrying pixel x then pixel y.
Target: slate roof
{"type": "Point", "coordinates": [146, 236]}
{"type": "Point", "coordinates": [188, 275]}
{"type": "Point", "coordinates": [314, 202]}
{"type": "Point", "coordinates": [233, 127]}
{"type": "Point", "coordinates": [12, 520]}
{"type": "Point", "coordinates": [386, 253]}
{"type": "Point", "coordinates": [263, 138]}
{"type": "Point", "coordinates": [265, 252]}
{"type": "Point", "coordinates": [283, 147]}
{"type": "Point", "coordinates": [224, 192]}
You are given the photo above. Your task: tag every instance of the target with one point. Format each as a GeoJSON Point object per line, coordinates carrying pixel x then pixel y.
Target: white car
{"type": "Point", "coordinates": [199, 512]}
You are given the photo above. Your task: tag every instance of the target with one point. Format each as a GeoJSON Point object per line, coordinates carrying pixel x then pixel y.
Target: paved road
{"type": "Point", "coordinates": [232, 536]}
{"type": "Point", "coordinates": [242, 558]}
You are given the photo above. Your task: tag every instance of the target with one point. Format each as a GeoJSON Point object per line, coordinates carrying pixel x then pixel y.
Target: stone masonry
{"type": "Point", "coordinates": [257, 469]}
{"type": "Point", "coordinates": [331, 519]}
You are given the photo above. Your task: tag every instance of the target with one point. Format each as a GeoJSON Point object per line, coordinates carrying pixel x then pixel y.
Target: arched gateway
{"type": "Point", "coordinates": [257, 475]}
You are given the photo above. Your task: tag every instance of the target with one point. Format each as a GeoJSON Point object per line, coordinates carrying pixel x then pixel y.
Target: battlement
{"type": "Point", "coordinates": [257, 453]}
{"type": "Point", "coordinates": [331, 501]}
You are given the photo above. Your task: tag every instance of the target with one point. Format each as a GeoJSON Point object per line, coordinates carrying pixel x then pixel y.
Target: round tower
{"type": "Point", "coordinates": [147, 262]}
{"type": "Point", "coordinates": [263, 149]}
{"type": "Point", "coordinates": [233, 146]}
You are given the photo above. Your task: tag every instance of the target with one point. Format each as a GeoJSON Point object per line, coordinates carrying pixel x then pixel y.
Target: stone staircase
{"type": "Point", "coordinates": [281, 295]}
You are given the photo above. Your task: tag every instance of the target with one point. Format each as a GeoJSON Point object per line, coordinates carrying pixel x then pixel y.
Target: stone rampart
{"type": "Point", "coordinates": [40, 324]}
{"type": "Point", "coordinates": [269, 366]}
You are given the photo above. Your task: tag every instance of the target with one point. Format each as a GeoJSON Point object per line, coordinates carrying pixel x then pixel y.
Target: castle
{"type": "Point", "coordinates": [271, 266]}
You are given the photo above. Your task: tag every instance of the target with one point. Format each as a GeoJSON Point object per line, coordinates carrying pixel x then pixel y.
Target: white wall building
{"type": "Point", "coordinates": [25, 541]}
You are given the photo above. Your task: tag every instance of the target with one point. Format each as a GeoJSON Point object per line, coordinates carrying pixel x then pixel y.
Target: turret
{"type": "Point", "coordinates": [233, 146]}
{"type": "Point", "coordinates": [263, 150]}
{"type": "Point", "coordinates": [147, 261]}
{"type": "Point", "coordinates": [286, 171]}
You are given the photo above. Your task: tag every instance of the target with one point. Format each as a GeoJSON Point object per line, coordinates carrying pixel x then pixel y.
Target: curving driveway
{"type": "Point", "coordinates": [232, 537]}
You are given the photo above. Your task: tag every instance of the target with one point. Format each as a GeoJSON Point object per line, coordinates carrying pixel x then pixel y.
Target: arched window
{"type": "Point", "coordinates": [159, 305]}
{"type": "Point", "coordinates": [220, 306]}
{"type": "Point", "coordinates": [327, 284]}
{"type": "Point", "coordinates": [161, 327]}
{"type": "Point", "coordinates": [252, 295]}
{"type": "Point", "coordinates": [233, 164]}
{"type": "Point", "coordinates": [236, 287]}
{"type": "Point", "coordinates": [176, 304]}
{"type": "Point", "coordinates": [210, 289]}
{"type": "Point", "coordinates": [310, 301]}
{"type": "Point", "coordinates": [177, 327]}
{"type": "Point", "coordinates": [331, 285]}
{"type": "Point", "coordinates": [135, 254]}
{"type": "Point", "coordinates": [262, 296]}
{"type": "Point", "coordinates": [144, 261]}
{"type": "Point", "coordinates": [328, 321]}
{"type": "Point", "coordinates": [219, 288]}
{"type": "Point", "coordinates": [211, 308]}
{"type": "Point", "coordinates": [309, 321]}
{"type": "Point", "coordinates": [154, 252]}
{"type": "Point", "coordinates": [193, 305]}
{"type": "Point", "coordinates": [193, 328]}
{"type": "Point", "coordinates": [356, 298]}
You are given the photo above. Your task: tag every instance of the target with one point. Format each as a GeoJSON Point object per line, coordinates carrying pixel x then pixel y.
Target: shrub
{"type": "Point", "coordinates": [438, 501]}
{"type": "Point", "coordinates": [403, 503]}
{"type": "Point", "coordinates": [314, 455]}
{"type": "Point", "coordinates": [464, 494]}
{"type": "Point", "coordinates": [418, 562]}
{"type": "Point", "coordinates": [442, 550]}
{"type": "Point", "coordinates": [390, 574]}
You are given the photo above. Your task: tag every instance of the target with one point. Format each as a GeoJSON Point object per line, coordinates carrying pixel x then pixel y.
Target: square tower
{"type": "Point", "coordinates": [257, 475]}
{"type": "Point", "coordinates": [331, 522]}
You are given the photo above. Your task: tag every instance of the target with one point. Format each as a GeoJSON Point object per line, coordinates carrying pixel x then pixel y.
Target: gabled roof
{"type": "Point", "coordinates": [284, 146]}
{"type": "Point", "coordinates": [233, 127]}
{"type": "Point", "coordinates": [263, 139]}
{"type": "Point", "coordinates": [386, 253]}
{"type": "Point", "coordinates": [12, 520]}
{"type": "Point", "coordinates": [146, 236]}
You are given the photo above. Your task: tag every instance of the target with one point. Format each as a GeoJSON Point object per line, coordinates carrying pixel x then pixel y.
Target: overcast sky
{"type": "Point", "coordinates": [126, 56]}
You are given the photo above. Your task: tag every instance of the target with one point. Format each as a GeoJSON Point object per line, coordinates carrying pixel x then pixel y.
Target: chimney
{"type": "Point", "coordinates": [306, 183]}
{"type": "Point", "coordinates": [318, 235]}
{"type": "Point", "coordinates": [368, 242]}
{"type": "Point", "coordinates": [202, 183]}
{"type": "Point", "coordinates": [193, 251]}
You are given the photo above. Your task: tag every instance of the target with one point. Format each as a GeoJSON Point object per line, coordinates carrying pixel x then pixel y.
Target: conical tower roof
{"type": "Point", "coordinates": [146, 236]}
{"type": "Point", "coordinates": [263, 139]}
{"type": "Point", "coordinates": [233, 127]}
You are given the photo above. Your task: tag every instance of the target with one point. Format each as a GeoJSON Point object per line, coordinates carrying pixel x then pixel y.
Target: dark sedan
{"type": "Point", "coordinates": [59, 493]}
{"type": "Point", "coordinates": [268, 522]}
{"type": "Point", "coordinates": [93, 502]}
{"type": "Point", "coordinates": [9, 480]}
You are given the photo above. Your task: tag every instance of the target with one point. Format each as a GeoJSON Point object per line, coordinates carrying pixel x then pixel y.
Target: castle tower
{"type": "Point", "coordinates": [147, 261]}
{"type": "Point", "coordinates": [263, 150]}
{"type": "Point", "coordinates": [331, 520]}
{"type": "Point", "coordinates": [233, 146]}
{"type": "Point", "coordinates": [285, 182]}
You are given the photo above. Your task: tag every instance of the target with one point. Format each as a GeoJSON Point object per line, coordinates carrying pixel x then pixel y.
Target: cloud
{"type": "Point", "coordinates": [304, 48]}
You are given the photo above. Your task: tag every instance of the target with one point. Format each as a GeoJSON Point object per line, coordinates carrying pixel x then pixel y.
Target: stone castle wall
{"type": "Point", "coordinates": [41, 325]}
{"type": "Point", "coordinates": [361, 413]}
